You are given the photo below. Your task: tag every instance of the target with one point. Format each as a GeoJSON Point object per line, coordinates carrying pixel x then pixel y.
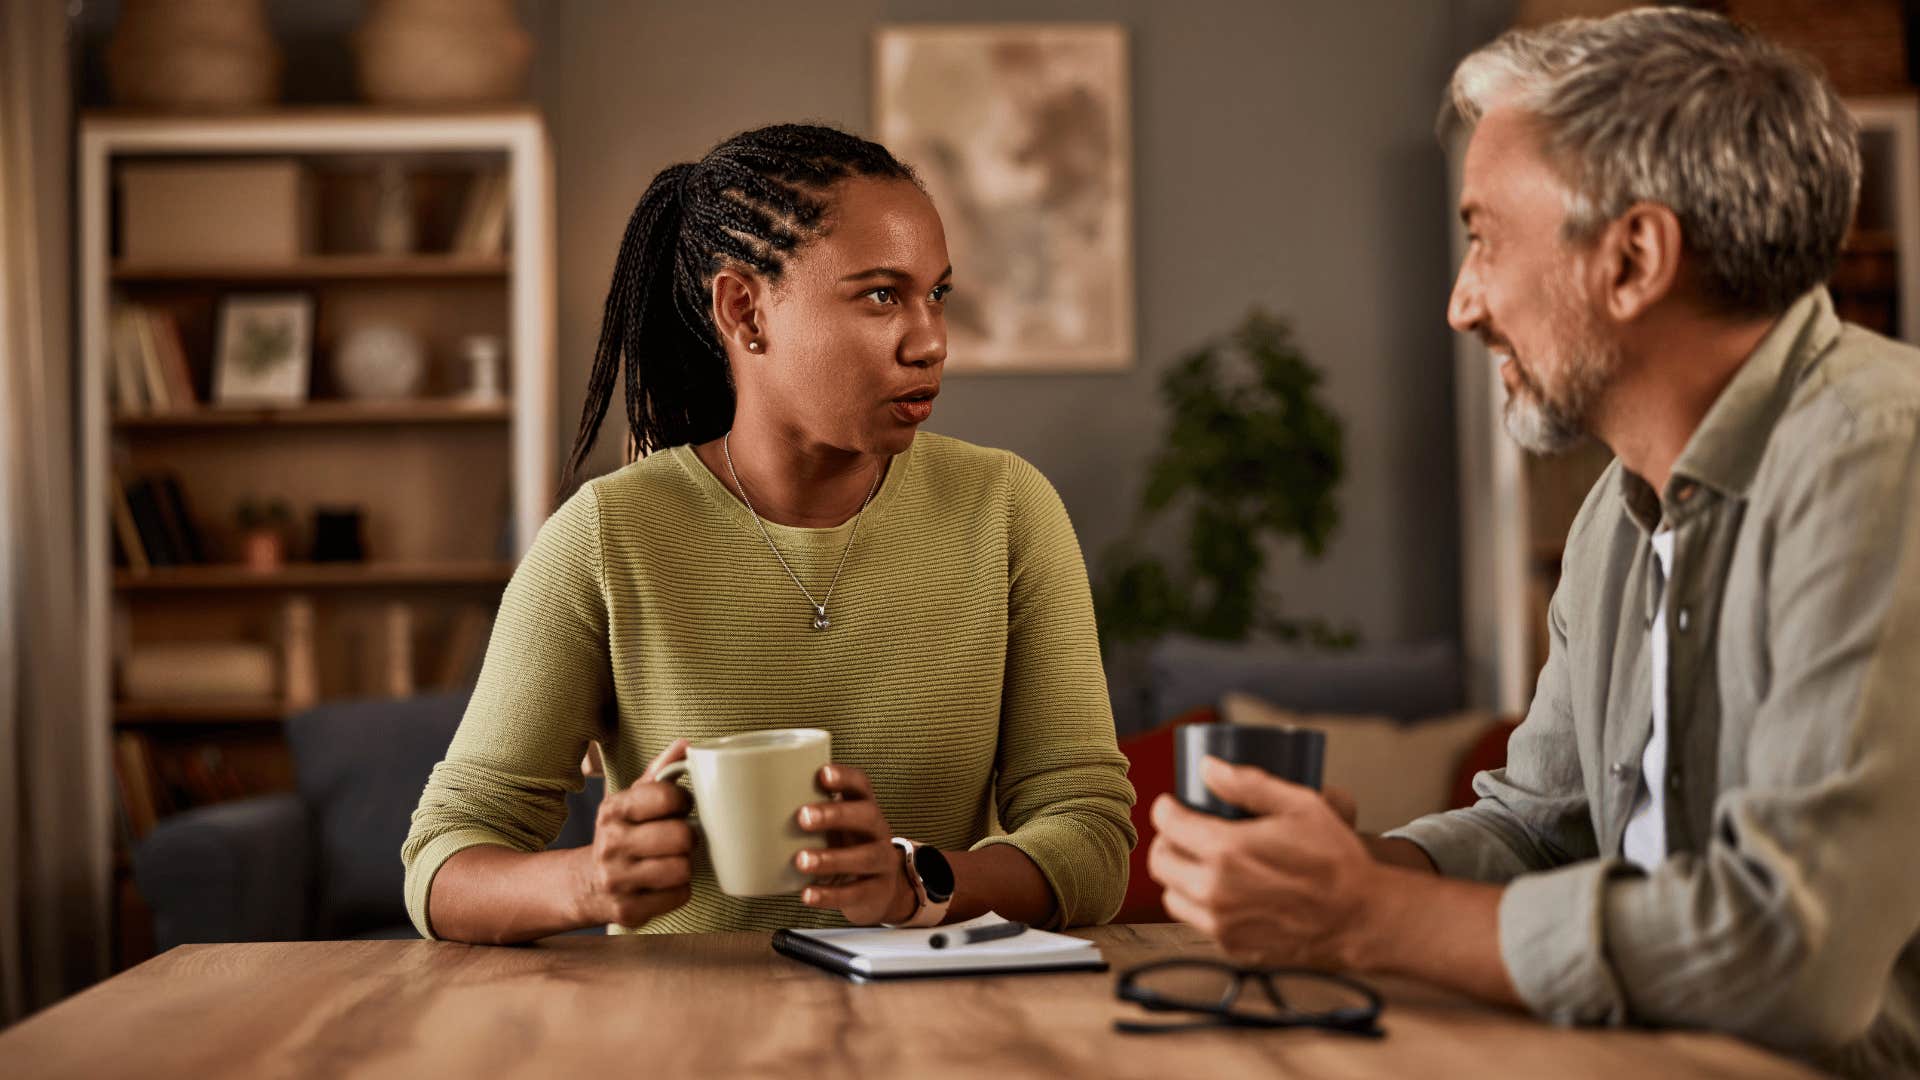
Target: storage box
{"type": "Point", "coordinates": [194, 213]}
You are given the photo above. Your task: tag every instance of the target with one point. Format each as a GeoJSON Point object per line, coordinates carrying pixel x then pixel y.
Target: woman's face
{"type": "Point", "coordinates": [854, 334]}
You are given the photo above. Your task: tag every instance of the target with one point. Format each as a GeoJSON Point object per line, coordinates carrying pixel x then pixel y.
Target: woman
{"type": "Point", "coordinates": [789, 553]}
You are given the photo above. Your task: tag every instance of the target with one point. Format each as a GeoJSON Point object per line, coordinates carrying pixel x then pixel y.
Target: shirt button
{"type": "Point", "coordinates": [1685, 618]}
{"type": "Point", "coordinates": [1620, 770]}
{"type": "Point", "coordinates": [1673, 782]}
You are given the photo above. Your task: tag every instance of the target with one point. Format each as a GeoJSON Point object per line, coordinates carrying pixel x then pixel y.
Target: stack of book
{"type": "Point", "coordinates": [152, 524]}
{"type": "Point", "coordinates": [153, 784]}
{"type": "Point", "coordinates": [150, 372]}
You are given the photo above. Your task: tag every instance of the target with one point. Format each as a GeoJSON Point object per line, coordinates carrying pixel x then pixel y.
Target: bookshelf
{"type": "Point", "coordinates": [449, 488]}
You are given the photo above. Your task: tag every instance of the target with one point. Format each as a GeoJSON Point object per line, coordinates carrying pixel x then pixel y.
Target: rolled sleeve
{"type": "Point", "coordinates": [1534, 813]}
{"type": "Point", "coordinates": [1062, 790]}
{"type": "Point", "coordinates": [538, 702]}
{"type": "Point", "coordinates": [1552, 940]}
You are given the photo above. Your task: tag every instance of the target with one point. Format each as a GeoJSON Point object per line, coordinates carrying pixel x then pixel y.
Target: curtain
{"type": "Point", "coordinates": [55, 795]}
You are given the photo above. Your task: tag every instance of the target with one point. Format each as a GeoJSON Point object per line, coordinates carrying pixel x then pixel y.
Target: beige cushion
{"type": "Point", "coordinates": [1395, 772]}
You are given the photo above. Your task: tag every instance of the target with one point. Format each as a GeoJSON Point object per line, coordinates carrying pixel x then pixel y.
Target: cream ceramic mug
{"type": "Point", "coordinates": [748, 790]}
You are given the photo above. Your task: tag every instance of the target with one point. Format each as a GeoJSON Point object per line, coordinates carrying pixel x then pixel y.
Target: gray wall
{"type": "Point", "coordinates": [1283, 156]}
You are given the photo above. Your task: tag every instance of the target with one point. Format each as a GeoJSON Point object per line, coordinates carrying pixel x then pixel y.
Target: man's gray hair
{"type": "Point", "coordinates": [1744, 140]}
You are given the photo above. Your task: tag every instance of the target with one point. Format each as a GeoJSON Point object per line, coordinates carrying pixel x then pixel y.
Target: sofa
{"type": "Point", "coordinates": [322, 861]}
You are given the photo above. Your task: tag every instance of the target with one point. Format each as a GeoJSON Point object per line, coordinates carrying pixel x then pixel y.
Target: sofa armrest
{"type": "Point", "coordinates": [1405, 681]}
{"type": "Point", "coordinates": [234, 871]}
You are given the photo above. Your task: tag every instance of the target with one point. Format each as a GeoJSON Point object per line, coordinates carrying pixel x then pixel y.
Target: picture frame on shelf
{"type": "Point", "coordinates": [263, 352]}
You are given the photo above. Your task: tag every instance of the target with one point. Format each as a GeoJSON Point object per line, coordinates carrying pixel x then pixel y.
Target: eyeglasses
{"type": "Point", "coordinates": [1288, 998]}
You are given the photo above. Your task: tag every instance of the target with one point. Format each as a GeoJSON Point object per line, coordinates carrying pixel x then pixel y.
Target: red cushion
{"type": "Point", "coordinates": [1489, 753]}
{"type": "Point", "coordinates": [1150, 767]}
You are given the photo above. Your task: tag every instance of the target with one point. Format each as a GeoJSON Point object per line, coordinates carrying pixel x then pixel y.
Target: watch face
{"type": "Point", "coordinates": [936, 873]}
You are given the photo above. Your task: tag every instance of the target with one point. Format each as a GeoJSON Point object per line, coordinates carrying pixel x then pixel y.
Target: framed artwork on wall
{"type": "Point", "coordinates": [264, 349]}
{"type": "Point", "coordinates": [1022, 133]}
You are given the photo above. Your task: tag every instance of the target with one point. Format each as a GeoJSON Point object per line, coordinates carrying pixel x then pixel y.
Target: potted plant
{"type": "Point", "coordinates": [1252, 457]}
{"type": "Point", "coordinates": [264, 525]}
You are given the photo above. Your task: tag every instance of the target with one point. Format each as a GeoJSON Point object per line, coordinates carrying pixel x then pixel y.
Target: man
{"type": "Point", "coordinates": [1711, 814]}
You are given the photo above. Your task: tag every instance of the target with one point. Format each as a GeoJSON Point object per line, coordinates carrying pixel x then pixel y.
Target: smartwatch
{"type": "Point", "coordinates": [931, 876]}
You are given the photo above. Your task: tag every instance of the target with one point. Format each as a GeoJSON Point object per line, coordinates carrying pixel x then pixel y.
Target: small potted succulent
{"type": "Point", "coordinates": [264, 525]}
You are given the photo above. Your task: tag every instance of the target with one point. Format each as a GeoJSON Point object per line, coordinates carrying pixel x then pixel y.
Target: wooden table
{"type": "Point", "coordinates": [727, 1005]}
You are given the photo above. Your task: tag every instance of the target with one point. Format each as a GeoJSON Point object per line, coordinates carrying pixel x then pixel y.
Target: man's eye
{"type": "Point", "coordinates": [882, 295]}
{"type": "Point", "coordinates": [940, 293]}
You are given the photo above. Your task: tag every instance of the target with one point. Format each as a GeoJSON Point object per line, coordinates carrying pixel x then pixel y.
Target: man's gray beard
{"type": "Point", "coordinates": [1545, 426]}
{"type": "Point", "coordinates": [1539, 427]}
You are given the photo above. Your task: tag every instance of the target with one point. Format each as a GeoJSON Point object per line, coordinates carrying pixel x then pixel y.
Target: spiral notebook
{"type": "Point", "coordinates": [864, 953]}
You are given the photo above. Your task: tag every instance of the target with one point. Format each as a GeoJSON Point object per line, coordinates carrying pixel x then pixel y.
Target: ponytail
{"type": "Point", "coordinates": [750, 202]}
{"type": "Point", "coordinates": [678, 387]}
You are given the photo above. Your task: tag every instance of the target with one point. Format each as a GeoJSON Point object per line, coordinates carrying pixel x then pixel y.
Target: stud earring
{"type": "Point", "coordinates": [753, 346]}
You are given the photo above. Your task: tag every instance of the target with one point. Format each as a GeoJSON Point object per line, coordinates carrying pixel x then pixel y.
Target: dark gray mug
{"type": "Point", "coordinates": [1293, 754]}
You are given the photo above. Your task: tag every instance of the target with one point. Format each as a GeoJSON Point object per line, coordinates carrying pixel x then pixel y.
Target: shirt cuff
{"type": "Point", "coordinates": [1069, 861]}
{"type": "Point", "coordinates": [1553, 942]}
{"type": "Point", "coordinates": [1461, 846]}
{"type": "Point", "coordinates": [424, 865]}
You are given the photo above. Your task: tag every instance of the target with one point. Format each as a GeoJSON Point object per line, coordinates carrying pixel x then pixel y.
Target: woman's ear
{"type": "Point", "coordinates": [736, 311]}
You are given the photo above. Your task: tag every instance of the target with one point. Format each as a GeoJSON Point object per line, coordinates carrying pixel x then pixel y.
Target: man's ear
{"type": "Point", "coordinates": [736, 310]}
{"type": "Point", "coordinates": [1640, 255]}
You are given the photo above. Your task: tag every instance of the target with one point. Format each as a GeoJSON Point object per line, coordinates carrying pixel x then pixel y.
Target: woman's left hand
{"type": "Point", "coordinates": [860, 872]}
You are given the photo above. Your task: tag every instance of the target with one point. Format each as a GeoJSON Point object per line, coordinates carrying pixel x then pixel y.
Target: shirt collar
{"type": "Point", "coordinates": [1724, 452]}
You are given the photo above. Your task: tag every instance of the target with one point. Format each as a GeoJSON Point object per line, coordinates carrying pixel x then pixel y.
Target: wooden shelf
{"type": "Point", "coordinates": [267, 711]}
{"type": "Point", "coordinates": [439, 267]}
{"type": "Point", "coordinates": [317, 576]}
{"type": "Point", "coordinates": [319, 414]}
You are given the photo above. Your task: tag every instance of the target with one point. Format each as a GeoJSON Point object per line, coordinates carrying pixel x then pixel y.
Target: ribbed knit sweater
{"type": "Point", "coordinates": [962, 670]}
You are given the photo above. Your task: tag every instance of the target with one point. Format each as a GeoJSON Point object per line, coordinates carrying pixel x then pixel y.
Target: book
{"type": "Point", "coordinates": [133, 766]}
{"type": "Point", "coordinates": [145, 506]}
{"type": "Point", "coordinates": [178, 517]}
{"type": "Point", "coordinates": [489, 235]}
{"type": "Point", "coordinates": [126, 532]}
{"type": "Point", "coordinates": [866, 953]}
{"type": "Point", "coordinates": [156, 379]}
{"type": "Point", "coordinates": [173, 358]}
{"type": "Point", "coordinates": [129, 377]}
{"type": "Point", "coordinates": [472, 209]}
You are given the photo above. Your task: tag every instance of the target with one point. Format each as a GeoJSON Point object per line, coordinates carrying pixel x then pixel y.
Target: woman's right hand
{"type": "Point", "coordinates": [638, 867]}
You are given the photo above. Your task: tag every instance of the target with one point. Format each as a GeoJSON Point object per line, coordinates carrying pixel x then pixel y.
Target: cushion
{"type": "Point", "coordinates": [1150, 768]}
{"type": "Point", "coordinates": [360, 767]}
{"type": "Point", "coordinates": [1485, 755]}
{"type": "Point", "coordinates": [1401, 681]}
{"type": "Point", "coordinates": [1395, 771]}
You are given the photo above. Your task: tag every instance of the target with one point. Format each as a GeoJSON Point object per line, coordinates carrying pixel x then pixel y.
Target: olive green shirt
{"type": "Point", "coordinates": [962, 671]}
{"type": "Point", "coordinates": [1787, 910]}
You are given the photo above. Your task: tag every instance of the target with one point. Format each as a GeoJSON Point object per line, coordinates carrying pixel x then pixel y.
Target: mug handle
{"type": "Point", "coordinates": [671, 772]}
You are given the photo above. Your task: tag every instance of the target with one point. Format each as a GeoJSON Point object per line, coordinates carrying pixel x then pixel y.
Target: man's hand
{"type": "Point", "coordinates": [1291, 886]}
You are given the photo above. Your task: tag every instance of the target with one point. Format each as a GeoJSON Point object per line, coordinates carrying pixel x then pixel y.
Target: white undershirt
{"type": "Point", "coordinates": [1645, 843]}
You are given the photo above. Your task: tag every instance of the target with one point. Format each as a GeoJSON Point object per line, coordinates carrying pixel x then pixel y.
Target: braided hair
{"type": "Point", "coordinates": [751, 202]}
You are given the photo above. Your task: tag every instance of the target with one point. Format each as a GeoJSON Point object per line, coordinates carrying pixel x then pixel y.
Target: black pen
{"type": "Point", "coordinates": [979, 934]}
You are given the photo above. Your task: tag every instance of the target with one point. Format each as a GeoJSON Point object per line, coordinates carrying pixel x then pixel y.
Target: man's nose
{"type": "Point", "coordinates": [1465, 310]}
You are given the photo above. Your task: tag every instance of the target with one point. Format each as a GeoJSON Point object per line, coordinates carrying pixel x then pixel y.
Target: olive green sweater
{"type": "Point", "coordinates": [962, 670]}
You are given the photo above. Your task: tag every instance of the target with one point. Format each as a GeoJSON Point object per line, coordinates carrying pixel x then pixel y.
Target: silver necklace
{"type": "Point", "coordinates": [820, 620]}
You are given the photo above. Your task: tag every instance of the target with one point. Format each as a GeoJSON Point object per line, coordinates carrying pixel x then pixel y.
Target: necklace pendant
{"type": "Point", "coordinates": [820, 620]}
